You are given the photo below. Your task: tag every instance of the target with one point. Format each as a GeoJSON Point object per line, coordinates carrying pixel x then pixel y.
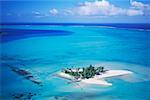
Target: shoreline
{"type": "Point", "coordinates": [97, 79]}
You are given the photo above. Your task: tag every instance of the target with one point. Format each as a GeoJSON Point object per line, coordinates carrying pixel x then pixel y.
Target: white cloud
{"type": "Point", "coordinates": [53, 11]}
{"type": "Point", "coordinates": [134, 12]}
{"type": "Point", "coordinates": [36, 13]}
{"type": "Point", "coordinates": [139, 5]}
{"type": "Point", "coordinates": [68, 12]}
{"type": "Point", "coordinates": [145, 8]}
{"type": "Point", "coordinates": [105, 8]}
{"type": "Point", "coordinates": [98, 8]}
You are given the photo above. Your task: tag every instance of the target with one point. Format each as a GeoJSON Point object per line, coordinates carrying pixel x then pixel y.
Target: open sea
{"type": "Point", "coordinates": [44, 49]}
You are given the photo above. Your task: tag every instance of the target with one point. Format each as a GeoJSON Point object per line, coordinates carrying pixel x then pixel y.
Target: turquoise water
{"type": "Point", "coordinates": [43, 55]}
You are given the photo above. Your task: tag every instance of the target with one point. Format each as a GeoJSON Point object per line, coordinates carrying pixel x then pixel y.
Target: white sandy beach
{"type": "Point", "coordinates": [98, 79]}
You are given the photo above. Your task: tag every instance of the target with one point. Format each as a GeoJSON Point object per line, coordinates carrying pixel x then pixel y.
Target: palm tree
{"type": "Point", "coordinates": [102, 69]}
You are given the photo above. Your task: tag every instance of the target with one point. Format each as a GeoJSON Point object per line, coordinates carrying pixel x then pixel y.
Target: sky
{"type": "Point", "coordinates": [75, 11]}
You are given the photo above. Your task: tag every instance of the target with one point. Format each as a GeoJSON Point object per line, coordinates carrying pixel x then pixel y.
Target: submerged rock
{"type": "Point", "coordinates": [26, 74]}
{"type": "Point", "coordinates": [23, 96]}
{"type": "Point", "coordinates": [61, 98]}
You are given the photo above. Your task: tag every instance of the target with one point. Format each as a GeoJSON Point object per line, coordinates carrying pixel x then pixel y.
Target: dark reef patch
{"type": "Point", "coordinates": [24, 96]}
{"type": "Point", "coordinates": [15, 34]}
{"type": "Point", "coordinates": [26, 74]}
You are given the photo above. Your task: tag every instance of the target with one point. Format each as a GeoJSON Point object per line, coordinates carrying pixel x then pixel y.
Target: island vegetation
{"type": "Point", "coordinates": [84, 73]}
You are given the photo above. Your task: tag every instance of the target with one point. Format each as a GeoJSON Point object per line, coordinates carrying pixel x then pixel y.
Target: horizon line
{"type": "Point", "coordinates": [60, 23]}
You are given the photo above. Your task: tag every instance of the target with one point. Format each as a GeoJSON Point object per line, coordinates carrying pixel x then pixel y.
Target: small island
{"type": "Point", "coordinates": [91, 74]}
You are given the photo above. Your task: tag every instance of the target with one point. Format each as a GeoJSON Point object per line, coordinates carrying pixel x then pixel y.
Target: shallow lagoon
{"type": "Point", "coordinates": [44, 55]}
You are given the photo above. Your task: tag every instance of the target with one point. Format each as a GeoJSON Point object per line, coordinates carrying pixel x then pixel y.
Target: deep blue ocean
{"type": "Point", "coordinates": [43, 49]}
